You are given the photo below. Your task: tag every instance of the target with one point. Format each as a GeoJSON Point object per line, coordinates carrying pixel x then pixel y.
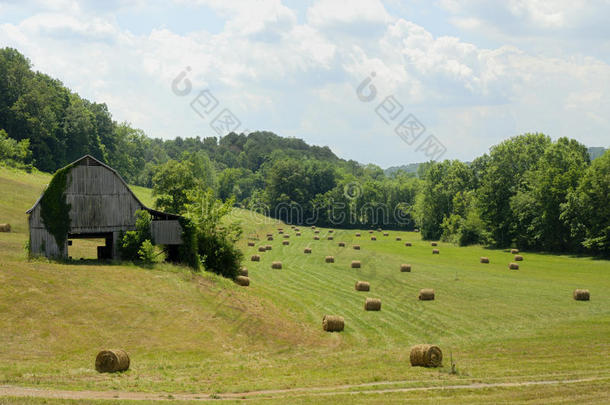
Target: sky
{"type": "Point", "coordinates": [385, 82]}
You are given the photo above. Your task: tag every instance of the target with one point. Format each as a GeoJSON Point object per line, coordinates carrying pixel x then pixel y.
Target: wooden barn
{"type": "Point", "coordinates": [101, 205]}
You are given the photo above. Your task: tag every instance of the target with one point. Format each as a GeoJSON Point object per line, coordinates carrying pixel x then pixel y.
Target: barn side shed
{"type": "Point", "coordinates": [101, 205]}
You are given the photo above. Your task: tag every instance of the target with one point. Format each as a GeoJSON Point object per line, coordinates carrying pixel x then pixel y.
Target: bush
{"type": "Point", "coordinates": [132, 241]}
{"type": "Point", "coordinates": [219, 254]}
{"type": "Point", "coordinates": [147, 252]}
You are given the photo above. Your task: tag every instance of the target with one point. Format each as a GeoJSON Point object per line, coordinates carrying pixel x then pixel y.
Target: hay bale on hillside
{"type": "Point", "coordinates": [331, 230]}
{"type": "Point", "coordinates": [333, 323]}
{"type": "Point", "coordinates": [363, 286]}
{"type": "Point", "coordinates": [514, 251]}
{"type": "Point", "coordinates": [581, 295]}
{"type": "Point", "coordinates": [356, 264]}
{"type": "Point", "coordinates": [286, 236]}
{"type": "Point", "coordinates": [243, 271]}
{"type": "Point", "coordinates": [329, 259]}
{"type": "Point", "coordinates": [513, 266]}
{"type": "Point", "coordinates": [285, 242]}
{"type": "Point", "coordinates": [316, 238]}
{"type": "Point", "coordinates": [280, 231]}
{"type": "Point", "coordinates": [298, 234]}
{"type": "Point", "coordinates": [356, 247]}
{"type": "Point", "coordinates": [341, 244]}
{"type": "Point", "coordinates": [426, 294]}
{"type": "Point", "coordinates": [518, 258]}
{"type": "Point", "coordinates": [426, 356]}
{"type": "Point", "coordinates": [269, 238]}
{"type": "Point", "coordinates": [371, 231]}
{"type": "Point", "coordinates": [255, 258]}
{"type": "Point", "coordinates": [433, 244]}
{"type": "Point", "coordinates": [276, 265]}
{"type": "Point", "coordinates": [262, 248]}
{"type": "Point", "coordinates": [330, 238]}
{"type": "Point", "coordinates": [296, 229]}
{"type": "Point", "coordinates": [251, 243]}
{"type": "Point", "coordinates": [378, 229]}
{"type": "Point", "coordinates": [372, 304]}
{"type": "Point", "coordinates": [357, 235]}
{"type": "Point", "coordinates": [484, 259]}
{"type": "Point", "coordinates": [269, 234]}
{"type": "Point", "coordinates": [111, 361]}
{"type": "Point", "coordinates": [316, 231]}
{"type": "Point", "coordinates": [313, 227]}
{"type": "Point", "coordinates": [242, 281]}
{"type": "Point", "coordinates": [407, 244]}
{"type": "Point", "coordinates": [373, 238]}
{"type": "Point", "coordinates": [268, 247]}
{"type": "Point", "coordinates": [307, 250]}
{"type": "Point", "coordinates": [386, 234]}
{"type": "Point", "coordinates": [436, 252]}
{"type": "Point", "coordinates": [405, 267]}
{"type": "Point", "coordinates": [5, 227]}
{"type": "Point", "coordinates": [398, 238]}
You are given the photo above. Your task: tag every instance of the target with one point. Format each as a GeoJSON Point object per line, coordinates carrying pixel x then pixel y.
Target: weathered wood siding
{"type": "Point", "coordinates": [166, 232]}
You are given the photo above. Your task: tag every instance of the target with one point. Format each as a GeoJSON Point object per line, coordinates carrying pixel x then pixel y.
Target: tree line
{"type": "Point", "coordinates": [528, 191]}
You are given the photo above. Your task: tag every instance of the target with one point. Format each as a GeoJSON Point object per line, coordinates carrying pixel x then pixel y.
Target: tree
{"type": "Point", "coordinates": [171, 185]}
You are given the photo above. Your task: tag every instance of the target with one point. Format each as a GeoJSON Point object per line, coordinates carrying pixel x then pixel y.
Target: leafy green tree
{"type": "Point", "coordinates": [171, 184]}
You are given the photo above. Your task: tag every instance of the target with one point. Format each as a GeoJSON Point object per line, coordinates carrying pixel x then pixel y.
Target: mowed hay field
{"type": "Point", "coordinates": [201, 333]}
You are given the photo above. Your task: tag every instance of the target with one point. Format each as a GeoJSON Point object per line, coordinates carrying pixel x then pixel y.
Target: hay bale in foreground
{"type": "Point", "coordinates": [581, 295]}
{"type": "Point", "coordinates": [262, 248]}
{"type": "Point", "coordinates": [243, 271]}
{"type": "Point", "coordinates": [405, 267]}
{"type": "Point", "coordinates": [356, 247]}
{"type": "Point", "coordinates": [372, 304]}
{"type": "Point", "coordinates": [433, 244]}
{"type": "Point", "coordinates": [426, 294]}
{"type": "Point", "coordinates": [307, 250]}
{"type": "Point", "coordinates": [426, 356]}
{"type": "Point", "coordinates": [333, 323]}
{"type": "Point", "coordinates": [242, 281]}
{"type": "Point", "coordinates": [363, 286]}
{"type": "Point", "coordinates": [514, 251]}
{"type": "Point", "coordinates": [341, 244]}
{"type": "Point", "coordinates": [255, 258]}
{"type": "Point", "coordinates": [5, 227]}
{"type": "Point", "coordinates": [513, 266]}
{"type": "Point", "coordinates": [111, 361]}
{"type": "Point", "coordinates": [285, 242]}
{"type": "Point", "coordinates": [436, 252]}
{"type": "Point", "coordinates": [407, 244]}
{"type": "Point", "coordinates": [484, 259]}
{"type": "Point", "coordinates": [518, 258]}
{"type": "Point", "coordinates": [356, 264]}
{"type": "Point", "coordinates": [329, 259]}
{"type": "Point", "coordinates": [276, 265]}
{"type": "Point", "coordinates": [250, 243]}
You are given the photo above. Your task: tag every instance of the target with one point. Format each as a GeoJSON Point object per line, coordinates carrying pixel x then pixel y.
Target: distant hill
{"type": "Point", "coordinates": [410, 168]}
{"type": "Point", "coordinates": [595, 151]}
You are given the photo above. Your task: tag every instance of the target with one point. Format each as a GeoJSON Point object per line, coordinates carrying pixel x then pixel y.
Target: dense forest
{"type": "Point", "coordinates": [529, 191]}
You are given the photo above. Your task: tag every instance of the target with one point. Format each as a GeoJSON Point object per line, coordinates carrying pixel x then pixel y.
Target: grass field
{"type": "Point", "coordinates": [200, 333]}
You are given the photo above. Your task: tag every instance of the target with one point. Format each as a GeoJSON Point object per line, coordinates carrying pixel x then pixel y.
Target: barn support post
{"type": "Point", "coordinates": [115, 245]}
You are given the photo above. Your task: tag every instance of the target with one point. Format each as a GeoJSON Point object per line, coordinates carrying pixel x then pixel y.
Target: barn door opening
{"type": "Point", "coordinates": [97, 246]}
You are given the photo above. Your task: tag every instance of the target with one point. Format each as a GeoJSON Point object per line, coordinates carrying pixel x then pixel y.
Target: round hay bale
{"type": "Point", "coordinates": [333, 323]}
{"type": "Point", "coordinates": [386, 234]}
{"type": "Point", "coordinates": [243, 271]}
{"type": "Point", "coordinates": [316, 231]}
{"type": "Point", "coordinates": [356, 247]}
{"type": "Point", "coordinates": [268, 247]}
{"type": "Point", "coordinates": [513, 266]}
{"type": "Point", "coordinates": [331, 230]}
{"type": "Point", "coordinates": [255, 258]}
{"type": "Point", "coordinates": [372, 304]}
{"type": "Point", "coordinates": [426, 294]}
{"type": "Point", "coordinates": [285, 242]}
{"type": "Point", "coordinates": [371, 231]}
{"type": "Point", "coordinates": [242, 281]}
{"type": "Point", "coordinates": [5, 227]}
{"type": "Point", "coordinates": [373, 238]}
{"type": "Point", "coordinates": [329, 259]}
{"type": "Point", "coordinates": [357, 235]}
{"type": "Point", "coordinates": [514, 251]}
{"type": "Point", "coordinates": [434, 244]}
{"type": "Point", "coordinates": [316, 238]}
{"type": "Point", "coordinates": [405, 267]}
{"type": "Point", "coordinates": [398, 238]}
{"type": "Point", "coordinates": [250, 243]}
{"type": "Point", "coordinates": [341, 244]}
{"type": "Point", "coordinates": [111, 361]}
{"type": "Point", "coordinates": [313, 227]}
{"type": "Point", "coordinates": [280, 231]}
{"type": "Point", "coordinates": [363, 286]}
{"type": "Point", "coordinates": [269, 234]}
{"type": "Point", "coordinates": [484, 259]}
{"type": "Point", "coordinates": [262, 248]}
{"type": "Point", "coordinates": [330, 238]}
{"type": "Point", "coordinates": [426, 356]}
{"type": "Point", "coordinates": [296, 229]}
{"type": "Point", "coordinates": [378, 229]}
{"type": "Point", "coordinates": [581, 295]}
{"type": "Point", "coordinates": [307, 250]}
{"type": "Point", "coordinates": [436, 252]}
{"type": "Point", "coordinates": [518, 258]}
{"type": "Point", "coordinates": [286, 236]}
{"type": "Point", "coordinates": [276, 265]}
{"type": "Point", "coordinates": [356, 264]}
{"type": "Point", "coordinates": [298, 234]}
{"type": "Point", "coordinates": [407, 244]}
{"type": "Point", "coordinates": [270, 238]}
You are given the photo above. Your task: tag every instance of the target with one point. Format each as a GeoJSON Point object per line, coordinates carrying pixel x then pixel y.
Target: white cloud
{"type": "Point", "coordinates": [345, 13]}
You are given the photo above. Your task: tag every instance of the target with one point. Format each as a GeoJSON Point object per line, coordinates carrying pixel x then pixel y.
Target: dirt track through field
{"type": "Point", "coordinates": [16, 391]}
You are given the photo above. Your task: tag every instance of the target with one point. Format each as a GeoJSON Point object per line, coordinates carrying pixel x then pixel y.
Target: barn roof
{"type": "Point", "coordinates": [89, 160]}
